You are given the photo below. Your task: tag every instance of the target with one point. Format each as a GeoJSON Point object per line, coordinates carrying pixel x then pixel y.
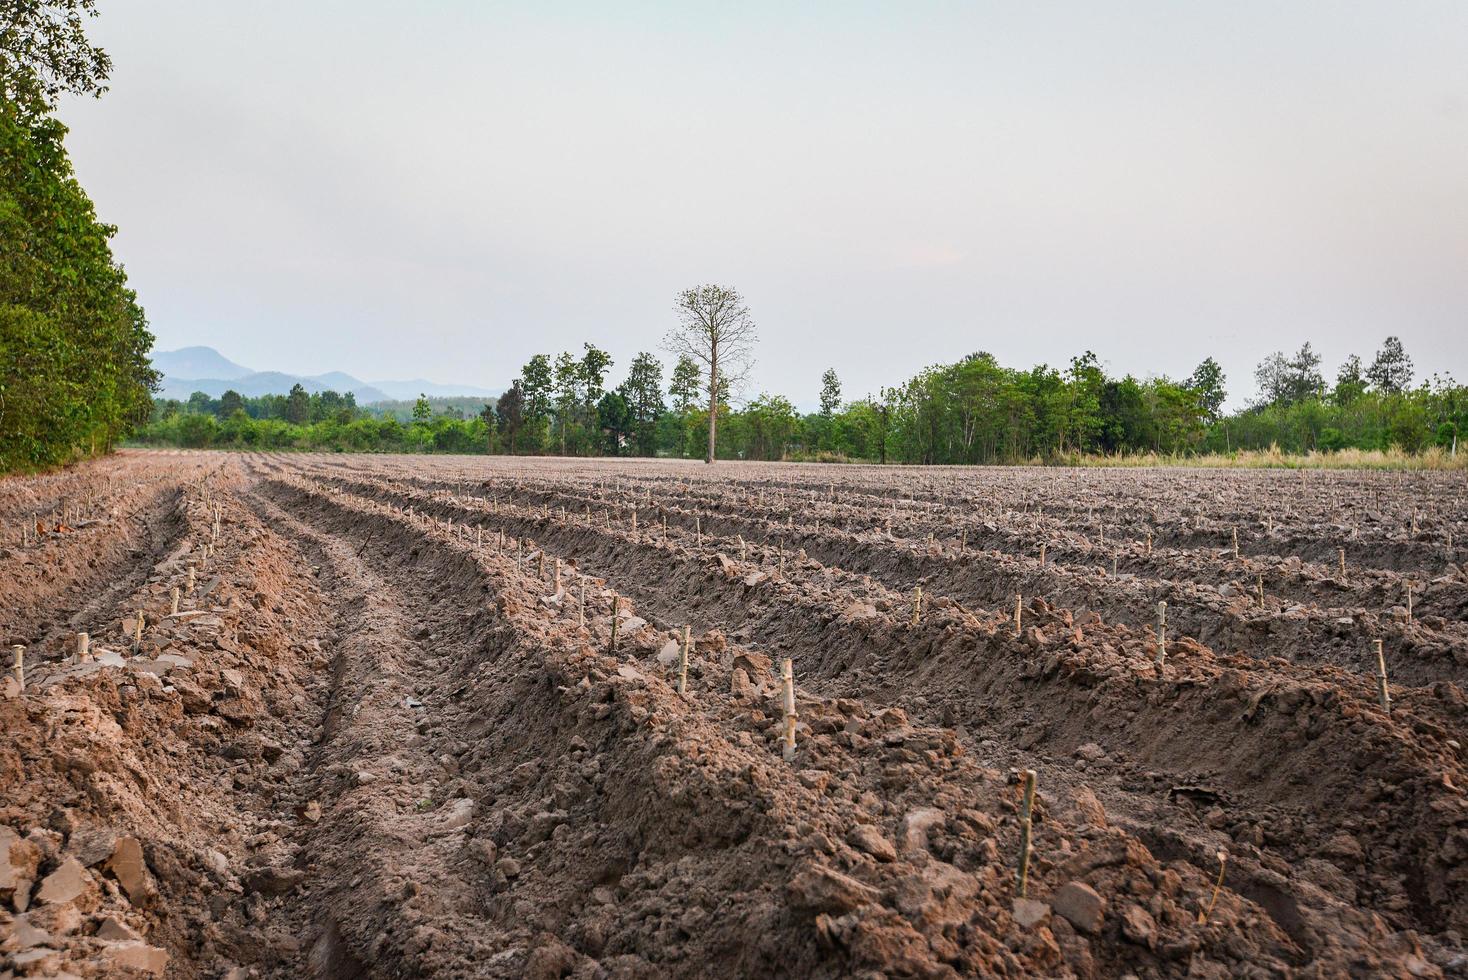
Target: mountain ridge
{"type": "Point", "coordinates": [217, 374]}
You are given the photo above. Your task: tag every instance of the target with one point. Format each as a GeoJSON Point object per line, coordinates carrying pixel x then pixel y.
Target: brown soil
{"type": "Point", "coordinates": [379, 739]}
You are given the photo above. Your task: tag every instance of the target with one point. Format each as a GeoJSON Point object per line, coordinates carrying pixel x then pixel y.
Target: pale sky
{"type": "Point", "coordinates": [442, 189]}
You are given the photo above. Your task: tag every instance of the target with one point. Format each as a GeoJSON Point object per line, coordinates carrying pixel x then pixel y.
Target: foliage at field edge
{"type": "Point", "coordinates": [974, 411]}
{"type": "Point", "coordinates": [74, 371]}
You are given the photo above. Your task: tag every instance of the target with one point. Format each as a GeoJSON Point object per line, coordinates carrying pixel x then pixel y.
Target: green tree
{"type": "Point", "coordinates": [830, 393]}
{"type": "Point", "coordinates": [298, 406]}
{"type": "Point", "coordinates": [615, 422]}
{"type": "Point", "coordinates": [683, 388]}
{"type": "Point", "coordinates": [1285, 381]}
{"type": "Point", "coordinates": [1391, 371]}
{"type": "Point", "coordinates": [487, 416]}
{"type": "Point", "coordinates": [883, 409]}
{"type": "Point", "coordinates": [536, 385]}
{"type": "Point", "coordinates": [1082, 422]}
{"type": "Point", "coordinates": [422, 411]}
{"type": "Point", "coordinates": [509, 411]}
{"type": "Point", "coordinates": [1350, 384]}
{"type": "Point", "coordinates": [642, 391]}
{"type": "Point", "coordinates": [1207, 381]}
{"type": "Point", "coordinates": [1304, 374]}
{"type": "Point", "coordinates": [196, 431]}
{"type": "Point", "coordinates": [771, 422]}
{"type": "Point", "coordinates": [74, 372]}
{"type": "Point", "coordinates": [568, 393]}
{"type": "Point", "coordinates": [229, 403]}
{"type": "Point", "coordinates": [593, 373]}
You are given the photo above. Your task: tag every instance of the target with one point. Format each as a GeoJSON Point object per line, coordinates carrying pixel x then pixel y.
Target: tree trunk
{"type": "Point", "coordinates": [713, 401]}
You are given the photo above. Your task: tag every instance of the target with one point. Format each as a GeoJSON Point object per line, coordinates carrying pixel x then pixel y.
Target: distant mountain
{"type": "Point", "coordinates": [198, 362]}
{"type": "Point", "coordinates": [403, 390]}
{"type": "Point", "coordinates": [191, 369]}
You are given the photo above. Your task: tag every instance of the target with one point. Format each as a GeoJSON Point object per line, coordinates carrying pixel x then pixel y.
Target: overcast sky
{"type": "Point", "coordinates": [442, 189]}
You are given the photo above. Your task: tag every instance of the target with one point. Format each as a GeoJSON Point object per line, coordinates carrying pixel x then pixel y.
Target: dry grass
{"type": "Point", "coordinates": [1275, 458]}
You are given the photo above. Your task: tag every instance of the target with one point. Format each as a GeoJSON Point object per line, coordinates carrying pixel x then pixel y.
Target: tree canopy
{"type": "Point", "coordinates": [45, 52]}
{"type": "Point", "coordinates": [74, 370]}
{"type": "Point", "coordinates": [974, 410]}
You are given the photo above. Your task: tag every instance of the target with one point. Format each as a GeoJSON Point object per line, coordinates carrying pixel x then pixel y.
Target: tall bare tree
{"type": "Point", "coordinates": [716, 330]}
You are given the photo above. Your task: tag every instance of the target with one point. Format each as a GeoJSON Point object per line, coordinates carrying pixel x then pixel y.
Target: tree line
{"type": "Point", "coordinates": [975, 410]}
{"type": "Point", "coordinates": [74, 370]}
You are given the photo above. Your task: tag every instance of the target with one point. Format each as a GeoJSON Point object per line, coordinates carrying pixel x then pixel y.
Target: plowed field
{"type": "Point", "coordinates": [421, 716]}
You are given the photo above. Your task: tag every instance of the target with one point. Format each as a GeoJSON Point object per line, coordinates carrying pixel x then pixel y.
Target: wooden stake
{"type": "Point", "coordinates": [1409, 602]}
{"type": "Point", "coordinates": [558, 577]}
{"type": "Point", "coordinates": [1113, 566]}
{"type": "Point", "coordinates": [191, 578]}
{"type": "Point", "coordinates": [683, 660]}
{"type": "Point", "coordinates": [1341, 557]}
{"type": "Point", "coordinates": [19, 670]}
{"type": "Point", "coordinates": [581, 608]}
{"type": "Point", "coordinates": [787, 677]}
{"type": "Point", "coordinates": [1236, 542]}
{"type": "Point", "coordinates": [1042, 553]}
{"type": "Point", "coordinates": [1149, 544]}
{"type": "Point", "coordinates": [1161, 633]}
{"type": "Point", "coordinates": [83, 647]}
{"type": "Point", "coordinates": [540, 564]}
{"type": "Point", "coordinates": [138, 632]}
{"type": "Point", "coordinates": [698, 531]}
{"type": "Point", "coordinates": [917, 605]}
{"type": "Point", "coordinates": [612, 643]}
{"type": "Point", "coordinates": [1386, 698]}
{"type": "Point", "coordinates": [1260, 582]}
{"type": "Point", "coordinates": [173, 602]}
{"type": "Point", "coordinates": [1026, 815]}
{"type": "Point", "coordinates": [1018, 606]}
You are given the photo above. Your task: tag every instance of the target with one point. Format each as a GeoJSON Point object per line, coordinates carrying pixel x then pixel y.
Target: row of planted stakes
{"type": "Point", "coordinates": [1159, 640]}
{"type": "Point", "coordinates": [82, 650]}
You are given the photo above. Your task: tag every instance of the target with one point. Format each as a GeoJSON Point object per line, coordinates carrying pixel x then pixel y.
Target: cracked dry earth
{"type": "Point", "coordinates": [385, 731]}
